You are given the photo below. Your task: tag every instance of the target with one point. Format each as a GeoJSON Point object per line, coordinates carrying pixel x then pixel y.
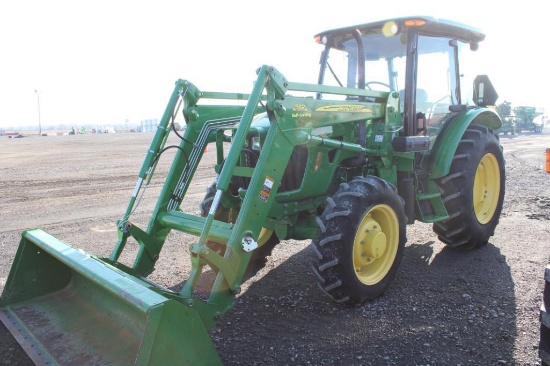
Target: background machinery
{"type": "Point", "coordinates": [520, 119]}
{"type": "Point", "coordinates": [525, 119]}
{"type": "Point", "coordinates": [386, 137]}
{"type": "Point", "coordinates": [509, 120]}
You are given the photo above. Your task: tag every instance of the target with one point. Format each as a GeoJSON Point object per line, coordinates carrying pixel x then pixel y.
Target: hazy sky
{"type": "Point", "coordinates": [102, 62]}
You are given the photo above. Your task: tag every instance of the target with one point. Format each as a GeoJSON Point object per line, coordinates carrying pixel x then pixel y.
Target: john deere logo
{"type": "Point", "coordinates": [349, 108]}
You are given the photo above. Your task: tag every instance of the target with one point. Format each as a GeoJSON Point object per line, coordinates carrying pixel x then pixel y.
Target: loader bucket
{"type": "Point", "coordinates": [66, 307]}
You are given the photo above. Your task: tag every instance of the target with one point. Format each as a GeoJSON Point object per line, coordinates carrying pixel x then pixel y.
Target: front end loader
{"type": "Point", "coordinates": [388, 136]}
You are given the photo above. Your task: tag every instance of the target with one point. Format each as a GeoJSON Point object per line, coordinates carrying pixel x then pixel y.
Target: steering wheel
{"type": "Point", "coordinates": [368, 84]}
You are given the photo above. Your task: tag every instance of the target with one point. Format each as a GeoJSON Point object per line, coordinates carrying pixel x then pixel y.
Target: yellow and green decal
{"type": "Point", "coordinates": [346, 108]}
{"type": "Point", "coordinates": [300, 111]}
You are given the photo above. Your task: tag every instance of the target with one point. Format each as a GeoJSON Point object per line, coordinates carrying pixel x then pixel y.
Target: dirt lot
{"type": "Point", "coordinates": [444, 308]}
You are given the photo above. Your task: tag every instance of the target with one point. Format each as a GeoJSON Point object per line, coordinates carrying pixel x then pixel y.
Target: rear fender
{"type": "Point", "coordinates": [444, 148]}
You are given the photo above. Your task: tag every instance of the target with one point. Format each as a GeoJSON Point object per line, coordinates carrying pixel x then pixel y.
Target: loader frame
{"type": "Point", "coordinates": [258, 202]}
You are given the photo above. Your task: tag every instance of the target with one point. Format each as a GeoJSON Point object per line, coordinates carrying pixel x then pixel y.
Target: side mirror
{"type": "Point", "coordinates": [484, 92]}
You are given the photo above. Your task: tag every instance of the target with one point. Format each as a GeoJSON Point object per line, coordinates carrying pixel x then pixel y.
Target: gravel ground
{"type": "Point", "coordinates": [445, 307]}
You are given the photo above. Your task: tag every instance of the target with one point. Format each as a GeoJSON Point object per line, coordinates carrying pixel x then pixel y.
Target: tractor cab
{"type": "Point", "coordinates": [416, 57]}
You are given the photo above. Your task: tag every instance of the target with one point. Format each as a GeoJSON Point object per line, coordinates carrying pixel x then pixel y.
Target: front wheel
{"type": "Point", "coordinates": [473, 191]}
{"type": "Point", "coordinates": [362, 233]}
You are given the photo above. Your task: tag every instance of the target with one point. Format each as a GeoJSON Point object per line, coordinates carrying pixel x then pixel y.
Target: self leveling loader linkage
{"type": "Point", "coordinates": [387, 137]}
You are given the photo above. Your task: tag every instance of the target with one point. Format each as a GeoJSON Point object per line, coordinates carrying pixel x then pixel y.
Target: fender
{"type": "Point", "coordinates": [444, 148]}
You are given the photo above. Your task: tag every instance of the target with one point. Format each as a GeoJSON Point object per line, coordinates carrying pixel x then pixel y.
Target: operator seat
{"type": "Point", "coordinates": [422, 104]}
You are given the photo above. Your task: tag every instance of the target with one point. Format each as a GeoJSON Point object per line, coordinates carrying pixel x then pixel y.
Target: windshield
{"type": "Point", "coordinates": [384, 66]}
{"type": "Point", "coordinates": [434, 74]}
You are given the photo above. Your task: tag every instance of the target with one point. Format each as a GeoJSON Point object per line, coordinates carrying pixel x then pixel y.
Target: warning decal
{"type": "Point", "coordinates": [266, 189]}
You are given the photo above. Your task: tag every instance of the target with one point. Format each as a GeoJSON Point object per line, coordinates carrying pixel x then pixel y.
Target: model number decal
{"type": "Point", "coordinates": [300, 111]}
{"type": "Point", "coordinates": [266, 189]}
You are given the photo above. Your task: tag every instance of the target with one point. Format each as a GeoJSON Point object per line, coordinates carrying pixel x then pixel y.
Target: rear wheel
{"type": "Point", "coordinates": [362, 233]}
{"type": "Point", "coordinates": [473, 191]}
{"type": "Point", "coordinates": [267, 239]}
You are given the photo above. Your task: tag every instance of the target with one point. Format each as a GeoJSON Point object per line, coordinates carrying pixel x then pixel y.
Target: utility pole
{"type": "Point", "coordinates": [39, 123]}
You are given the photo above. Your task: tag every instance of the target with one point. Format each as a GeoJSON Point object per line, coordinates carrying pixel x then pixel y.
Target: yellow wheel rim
{"type": "Point", "coordinates": [264, 236]}
{"type": "Point", "coordinates": [486, 188]}
{"type": "Point", "coordinates": [375, 244]}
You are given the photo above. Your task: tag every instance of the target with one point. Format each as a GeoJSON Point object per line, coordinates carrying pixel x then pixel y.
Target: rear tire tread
{"type": "Point", "coordinates": [462, 229]}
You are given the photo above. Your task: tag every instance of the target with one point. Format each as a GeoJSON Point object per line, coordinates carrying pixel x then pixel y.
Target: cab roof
{"type": "Point", "coordinates": [425, 24]}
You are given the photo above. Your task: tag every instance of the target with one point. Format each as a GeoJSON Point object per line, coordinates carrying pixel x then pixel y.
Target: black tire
{"type": "Point", "coordinates": [544, 318]}
{"type": "Point", "coordinates": [207, 200]}
{"type": "Point", "coordinates": [473, 191]}
{"type": "Point", "coordinates": [267, 240]}
{"type": "Point", "coordinates": [362, 233]}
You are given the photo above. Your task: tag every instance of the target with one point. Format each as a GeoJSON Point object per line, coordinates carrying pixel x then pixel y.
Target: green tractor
{"type": "Point", "coordinates": [509, 120]}
{"type": "Point", "coordinates": [384, 139]}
